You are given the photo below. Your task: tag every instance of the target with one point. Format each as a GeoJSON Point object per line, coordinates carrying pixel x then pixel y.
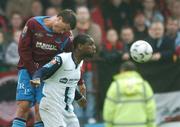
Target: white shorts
{"type": "Point", "coordinates": [53, 115]}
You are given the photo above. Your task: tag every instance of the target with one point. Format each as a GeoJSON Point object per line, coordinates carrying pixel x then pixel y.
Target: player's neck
{"type": "Point", "coordinates": [76, 57]}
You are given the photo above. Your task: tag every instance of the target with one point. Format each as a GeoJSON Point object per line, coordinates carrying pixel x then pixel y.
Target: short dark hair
{"type": "Point", "coordinates": [128, 66]}
{"type": "Point", "coordinates": [82, 39]}
{"type": "Point", "coordinates": [68, 17]}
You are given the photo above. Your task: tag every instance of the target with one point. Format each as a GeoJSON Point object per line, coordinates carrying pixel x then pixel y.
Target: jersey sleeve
{"type": "Point", "coordinates": [25, 47]}
{"type": "Point", "coordinates": [48, 69]}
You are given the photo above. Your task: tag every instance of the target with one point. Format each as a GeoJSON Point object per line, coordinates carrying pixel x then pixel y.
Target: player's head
{"type": "Point", "coordinates": [128, 66]}
{"type": "Point", "coordinates": [85, 45]}
{"type": "Point", "coordinates": [65, 21]}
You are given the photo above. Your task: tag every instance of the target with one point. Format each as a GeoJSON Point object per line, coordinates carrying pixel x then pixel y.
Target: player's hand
{"type": "Point", "coordinates": [82, 102]}
{"type": "Point", "coordinates": [35, 82]}
{"type": "Point", "coordinates": [156, 56]}
{"type": "Point", "coordinates": [82, 89]}
{"type": "Point", "coordinates": [125, 56]}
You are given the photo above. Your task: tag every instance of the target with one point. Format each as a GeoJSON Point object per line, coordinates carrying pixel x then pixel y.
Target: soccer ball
{"type": "Point", "coordinates": [141, 51]}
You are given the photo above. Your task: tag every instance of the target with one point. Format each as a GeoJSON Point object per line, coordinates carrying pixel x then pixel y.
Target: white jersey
{"type": "Point", "coordinates": [59, 89]}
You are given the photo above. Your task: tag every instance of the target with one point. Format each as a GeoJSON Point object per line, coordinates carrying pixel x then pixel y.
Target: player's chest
{"type": "Point", "coordinates": [67, 75]}
{"type": "Point", "coordinates": [47, 41]}
{"type": "Point", "coordinates": [70, 69]}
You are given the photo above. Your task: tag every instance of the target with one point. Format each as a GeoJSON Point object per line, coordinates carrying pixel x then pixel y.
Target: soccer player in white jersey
{"type": "Point", "coordinates": [60, 77]}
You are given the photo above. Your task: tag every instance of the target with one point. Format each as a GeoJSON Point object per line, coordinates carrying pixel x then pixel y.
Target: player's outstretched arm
{"type": "Point", "coordinates": [47, 70]}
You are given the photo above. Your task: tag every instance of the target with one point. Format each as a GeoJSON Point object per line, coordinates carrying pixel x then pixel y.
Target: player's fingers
{"type": "Point", "coordinates": [34, 83]}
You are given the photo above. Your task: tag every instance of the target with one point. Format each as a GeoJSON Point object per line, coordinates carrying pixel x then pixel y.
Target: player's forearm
{"type": "Point", "coordinates": [30, 65]}
{"type": "Point", "coordinates": [40, 73]}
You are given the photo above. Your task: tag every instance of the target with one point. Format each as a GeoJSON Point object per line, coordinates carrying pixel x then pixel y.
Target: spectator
{"type": "Point", "coordinates": [85, 25]}
{"type": "Point", "coordinates": [127, 37]}
{"type": "Point", "coordinates": [112, 48]}
{"type": "Point", "coordinates": [3, 23]}
{"type": "Point", "coordinates": [172, 31]}
{"type": "Point", "coordinates": [127, 95]}
{"type": "Point", "coordinates": [60, 4]}
{"type": "Point", "coordinates": [175, 10]}
{"type": "Point", "coordinates": [23, 6]}
{"type": "Point", "coordinates": [3, 45]}
{"type": "Point", "coordinates": [36, 8]}
{"type": "Point", "coordinates": [2, 48]}
{"type": "Point", "coordinates": [51, 11]}
{"type": "Point", "coordinates": [16, 22]}
{"type": "Point", "coordinates": [97, 17]}
{"type": "Point", "coordinates": [165, 6]}
{"type": "Point", "coordinates": [12, 56]}
{"type": "Point", "coordinates": [151, 12]}
{"type": "Point", "coordinates": [140, 28]}
{"type": "Point", "coordinates": [116, 14]}
{"type": "Point", "coordinates": [163, 46]}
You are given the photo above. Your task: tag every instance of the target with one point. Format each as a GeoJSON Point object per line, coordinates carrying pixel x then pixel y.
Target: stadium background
{"type": "Point", "coordinates": [114, 24]}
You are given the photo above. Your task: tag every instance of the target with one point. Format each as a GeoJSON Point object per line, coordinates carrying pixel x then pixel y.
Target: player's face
{"type": "Point", "coordinates": [59, 26]}
{"type": "Point", "coordinates": [89, 49]}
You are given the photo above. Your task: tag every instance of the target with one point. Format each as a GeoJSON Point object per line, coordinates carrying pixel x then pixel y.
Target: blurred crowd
{"type": "Point", "coordinates": [114, 25]}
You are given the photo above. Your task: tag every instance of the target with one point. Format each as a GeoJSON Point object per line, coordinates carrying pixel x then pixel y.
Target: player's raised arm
{"type": "Point", "coordinates": [47, 70]}
{"type": "Point", "coordinates": [25, 47]}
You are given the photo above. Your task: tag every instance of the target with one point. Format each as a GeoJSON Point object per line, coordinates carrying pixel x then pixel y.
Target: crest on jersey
{"type": "Point", "coordinates": [39, 34]}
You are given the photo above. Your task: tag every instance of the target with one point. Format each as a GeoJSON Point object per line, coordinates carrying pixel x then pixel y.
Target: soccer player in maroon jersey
{"type": "Point", "coordinates": [42, 38]}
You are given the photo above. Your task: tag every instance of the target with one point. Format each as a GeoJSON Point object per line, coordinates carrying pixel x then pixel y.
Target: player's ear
{"type": "Point", "coordinates": [80, 47]}
{"type": "Point", "coordinates": [60, 18]}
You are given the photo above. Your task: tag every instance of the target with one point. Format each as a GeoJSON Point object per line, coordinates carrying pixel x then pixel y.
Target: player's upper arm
{"type": "Point", "coordinates": [26, 34]}
{"type": "Point", "coordinates": [25, 46]}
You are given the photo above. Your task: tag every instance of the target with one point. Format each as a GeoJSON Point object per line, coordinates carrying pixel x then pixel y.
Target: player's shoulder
{"type": "Point", "coordinates": [31, 20]}
{"type": "Point", "coordinates": [69, 35]}
{"type": "Point", "coordinates": [65, 55]}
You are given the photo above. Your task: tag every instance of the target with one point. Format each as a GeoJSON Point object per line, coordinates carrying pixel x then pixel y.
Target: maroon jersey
{"type": "Point", "coordinates": [38, 44]}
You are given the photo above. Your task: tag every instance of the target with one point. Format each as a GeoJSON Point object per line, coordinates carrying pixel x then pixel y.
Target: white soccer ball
{"type": "Point", "coordinates": [141, 51]}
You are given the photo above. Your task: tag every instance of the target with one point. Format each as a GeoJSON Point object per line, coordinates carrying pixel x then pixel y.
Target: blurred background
{"type": "Point", "coordinates": [114, 25]}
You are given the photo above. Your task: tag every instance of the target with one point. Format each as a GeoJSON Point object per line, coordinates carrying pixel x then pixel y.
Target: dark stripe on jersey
{"type": "Point", "coordinates": [66, 98]}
